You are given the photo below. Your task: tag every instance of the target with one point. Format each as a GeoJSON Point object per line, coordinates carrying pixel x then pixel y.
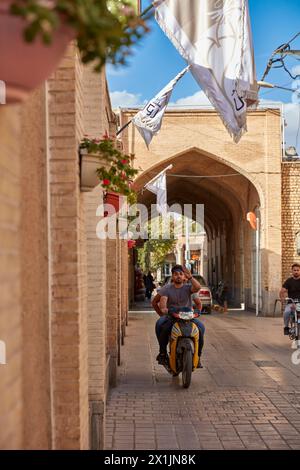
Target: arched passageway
{"type": "Point", "coordinates": [226, 199]}
{"type": "Point", "coordinates": [195, 142]}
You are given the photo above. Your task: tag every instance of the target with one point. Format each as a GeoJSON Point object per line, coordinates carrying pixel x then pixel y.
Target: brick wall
{"type": "Point", "coordinates": [34, 274]}
{"type": "Point", "coordinates": [290, 215]}
{"type": "Point", "coordinates": [95, 125]}
{"type": "Point", "coordinates": [53, 268]}
{"type": "Point", "coordinates": [11, 403]}
{"type": "Point", "coordinates": [112, 296]}
{"type": "Point", "coordinates": [68, 247]}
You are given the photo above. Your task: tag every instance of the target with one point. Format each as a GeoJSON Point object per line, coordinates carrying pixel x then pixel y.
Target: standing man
{"type": "Point", "coordinates": [149, 284]}
{"type": "Point", "coordinates": [290, 288]}
{"type": "Point", "coordinates": [178, 294]}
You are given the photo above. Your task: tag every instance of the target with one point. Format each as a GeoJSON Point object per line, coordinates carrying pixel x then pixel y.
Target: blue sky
{"type": "Point", "coordinates": [155, 61]}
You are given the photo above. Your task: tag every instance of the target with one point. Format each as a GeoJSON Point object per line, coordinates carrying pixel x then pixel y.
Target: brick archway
{"type": "Point", "coordinates": [225, 201]}
{"type": "Point", "coordinates": [197, 145]}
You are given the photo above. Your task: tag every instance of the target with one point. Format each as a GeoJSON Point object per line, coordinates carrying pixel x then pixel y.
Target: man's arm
{"type": "Point", "coordinates": [284, 290]}
{"type": "Point", "coordinates": [196, 286]}
{"type": "Point", "coordinates": [163, 304]}
{"type": "Point", "coordinates": [155, 305]}
{"type": "Point", "coordinates": [283, 293]}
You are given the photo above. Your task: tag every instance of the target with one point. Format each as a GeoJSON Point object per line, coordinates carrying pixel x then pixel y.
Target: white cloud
{"type": "Point", "coordinates": [197, 99]}
{"type": "Point", "coordinates": [292, 120]}
{"type": "Point", "coordinates": [265, 103]}
{"type": "Point", "coordinates": [123, 99]}
{"type": "Point", "coordinates": [116, 71]}
{"type": "Point", "coordinates": [296, 70]}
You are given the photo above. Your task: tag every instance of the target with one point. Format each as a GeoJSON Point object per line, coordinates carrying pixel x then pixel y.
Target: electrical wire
{"type": "Point", "coordinates": [273, 89]}
{"type": "Point", "coordinates": [206, 176]}
{"type": "Point", "coordinates": [281, 64]}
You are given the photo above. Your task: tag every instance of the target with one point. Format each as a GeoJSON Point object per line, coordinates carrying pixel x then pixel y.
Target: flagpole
{"type": "Point", "coordinates": [146, 10]}
{"type": "Point", "coordinates": [156, 176]}
{"type": "Point", "coordinates": [124, 127]}
{"type": "Point", "coordinates": [187, 244]}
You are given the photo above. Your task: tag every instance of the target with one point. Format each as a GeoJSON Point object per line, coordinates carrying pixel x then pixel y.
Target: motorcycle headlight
{"type": "Point", "coordinates": [186, 315]}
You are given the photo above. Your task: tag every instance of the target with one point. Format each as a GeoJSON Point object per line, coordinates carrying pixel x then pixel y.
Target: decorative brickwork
{"type": "Point", "coordinates": [290, 216]}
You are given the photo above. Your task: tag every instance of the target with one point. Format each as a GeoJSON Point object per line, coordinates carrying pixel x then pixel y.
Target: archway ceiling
{"type": "Point", "coordinates": [219, 204]}
{"type": "Point", "coordinates": [215, 193]}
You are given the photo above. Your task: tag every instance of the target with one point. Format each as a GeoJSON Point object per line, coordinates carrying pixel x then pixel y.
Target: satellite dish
{"type": "Point", "coordinates": [291, 152]}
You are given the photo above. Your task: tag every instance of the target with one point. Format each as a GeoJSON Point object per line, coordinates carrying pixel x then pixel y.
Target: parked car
{"type": "Point", "coordinates": [204, 293]}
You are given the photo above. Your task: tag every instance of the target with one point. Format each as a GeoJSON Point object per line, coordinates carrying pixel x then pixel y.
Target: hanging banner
{"type": "Point", "coordinates": [148, 121]}
{"type": "Point", "coordinates": [214, 37]}
{"type": "Point", "coordinates": [158, 186]}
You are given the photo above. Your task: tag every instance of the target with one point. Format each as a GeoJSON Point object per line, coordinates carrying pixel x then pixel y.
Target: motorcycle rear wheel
{"type": "Point", "coordinates": [187, 368]}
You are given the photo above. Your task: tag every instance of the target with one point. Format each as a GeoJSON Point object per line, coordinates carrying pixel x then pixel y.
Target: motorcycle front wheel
{"type": "Point", "coordinates": [187, 367]}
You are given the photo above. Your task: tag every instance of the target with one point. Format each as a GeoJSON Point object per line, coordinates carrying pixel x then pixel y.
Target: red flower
{"type": "Point", "coordinates": [124, 161]}
{"type": "Point", "coordinates": [105, 136]}
{"type": "Point", "coordinates": [106, 182]}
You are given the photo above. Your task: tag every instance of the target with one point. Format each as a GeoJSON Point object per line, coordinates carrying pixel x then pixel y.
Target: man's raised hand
{"type": "Point", "coordinates": [187, 272]}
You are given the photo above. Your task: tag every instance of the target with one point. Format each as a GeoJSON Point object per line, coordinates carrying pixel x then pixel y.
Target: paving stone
{"type": "Point", "coordinates": [231, 404]}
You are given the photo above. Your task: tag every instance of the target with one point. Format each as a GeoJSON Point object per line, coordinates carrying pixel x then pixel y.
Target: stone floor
{"type": "Point", "coordinates": [247, 396]}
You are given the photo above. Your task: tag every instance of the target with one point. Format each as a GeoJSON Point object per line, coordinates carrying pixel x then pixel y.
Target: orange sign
{"type": "Point", "coordinates": [251, 217]}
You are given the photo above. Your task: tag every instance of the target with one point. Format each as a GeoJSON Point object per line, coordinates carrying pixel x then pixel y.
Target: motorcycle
{"type": "Point", "coordinates": [294, 322]}
{"type": "Point", "coordinates": [183, 345]}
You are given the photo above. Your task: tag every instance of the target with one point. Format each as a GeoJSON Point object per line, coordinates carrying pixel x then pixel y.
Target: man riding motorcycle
{"type": "Point", "coordinates": [179, 295]}
{"type": "Point", "coordinates": [291, 289]}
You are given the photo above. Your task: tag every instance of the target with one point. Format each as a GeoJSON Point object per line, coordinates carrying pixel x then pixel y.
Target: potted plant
{"type": "Point", "coordinates": [113, 199]}
{"type": "Point", "coordinates": [102, 162]}
{"type": "Point", "coordinates": [34, 35]}
{"type": "Point", "coordinates": [24, 66]}
{"type": "Point", "coordinates": [91, 158]}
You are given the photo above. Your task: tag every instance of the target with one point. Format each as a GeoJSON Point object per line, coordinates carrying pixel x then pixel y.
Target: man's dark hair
{"type": "Point", "coordinates": [177, 267]}
{"type": "Point", "coordinates": [295, 265]}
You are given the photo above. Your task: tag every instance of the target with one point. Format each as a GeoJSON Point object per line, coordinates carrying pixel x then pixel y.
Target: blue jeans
{"type": "Point", "coordinates": [288, 313]}
{"type": "Point", "coordinates": [163, 329]}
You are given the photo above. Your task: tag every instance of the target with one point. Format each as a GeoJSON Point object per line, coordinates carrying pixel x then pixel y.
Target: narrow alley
{"type": "Point", "coordinates": [247, 396]}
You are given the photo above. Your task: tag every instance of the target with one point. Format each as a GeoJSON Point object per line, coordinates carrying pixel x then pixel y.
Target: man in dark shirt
{"type": "Point", "coordinates": [290, 288]}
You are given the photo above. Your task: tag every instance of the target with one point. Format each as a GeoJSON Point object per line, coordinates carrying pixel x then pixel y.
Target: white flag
{"type": "Point", "coordinates": [148, 121]}
{"type": "Point", "coordinates": [214, 37]}
{"type": "Point", "coordinates": [158, 186]}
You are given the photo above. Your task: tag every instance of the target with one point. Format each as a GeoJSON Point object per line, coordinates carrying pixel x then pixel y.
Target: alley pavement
{"type": "Point", "coordinates": [247, 396]}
